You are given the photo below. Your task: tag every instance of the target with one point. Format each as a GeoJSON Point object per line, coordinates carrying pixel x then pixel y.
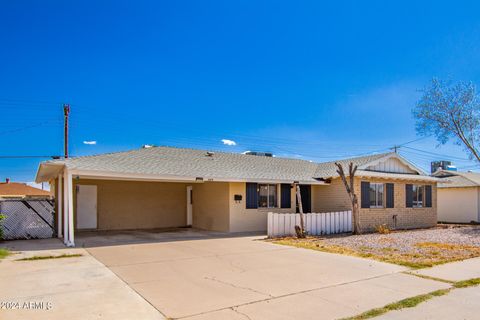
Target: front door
{"type": "Point", "coordinates": [306, 193]}
{"type": "Point", "coordinates": [189, 205]}
{"type": "Point", "coordinates": [86, 207]}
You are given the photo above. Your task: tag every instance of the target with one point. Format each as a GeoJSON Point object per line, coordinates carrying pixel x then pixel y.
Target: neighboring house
{"type": "Point", "coordinates": [160, 187]}
{"type": "Point", "coordinates": [458, 196]}
{"type": "Point", "coordinates": [16, 190]}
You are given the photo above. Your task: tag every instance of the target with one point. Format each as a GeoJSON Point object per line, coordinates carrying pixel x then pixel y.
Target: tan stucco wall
{"type": "Point", "coordinates": [243, 219]}
{"type": "Point", "coordinates": [138, 205]}
{"type": "Point", "coordinates": [211, 206]}
{"type": "Point", "coordinates": [458, 204]}
{"type": "Point", "coordinates": [335, 198]}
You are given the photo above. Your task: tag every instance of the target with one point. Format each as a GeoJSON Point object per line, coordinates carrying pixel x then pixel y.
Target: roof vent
{"type": "Point", "coordinates": [256, 153]}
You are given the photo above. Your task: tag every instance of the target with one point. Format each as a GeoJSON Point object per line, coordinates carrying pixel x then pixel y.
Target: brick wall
{"type": "Point", "coordinates": [335, 198]}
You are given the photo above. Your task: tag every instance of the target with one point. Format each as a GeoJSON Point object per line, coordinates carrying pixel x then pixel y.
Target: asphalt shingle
{"type": "Point", "coordinates": [184, 162]}
{"type": "Point", "coordinates": [459, 179]}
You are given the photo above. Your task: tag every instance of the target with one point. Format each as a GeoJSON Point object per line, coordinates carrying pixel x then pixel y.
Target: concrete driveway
{"type": "Point", "coordinates": [74, 288]}
{"type": "Point", "coordinates": [199, 275]}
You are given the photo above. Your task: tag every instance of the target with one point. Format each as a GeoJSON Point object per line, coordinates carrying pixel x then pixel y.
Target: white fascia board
{"type": "Point", "coordinates": [105, 175]}
{"type": "Point", "coordinates": [396, 176]}
{"type": "Point", "coordinates": [44, 166]}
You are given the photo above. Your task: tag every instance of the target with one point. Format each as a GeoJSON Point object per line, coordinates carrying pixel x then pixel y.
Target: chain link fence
{"type": "Point", "coordinates": [28, 219]}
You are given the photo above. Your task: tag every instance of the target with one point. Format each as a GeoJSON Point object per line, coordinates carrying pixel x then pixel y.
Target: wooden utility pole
{"type": "Point", "coordinates": [66, 111]}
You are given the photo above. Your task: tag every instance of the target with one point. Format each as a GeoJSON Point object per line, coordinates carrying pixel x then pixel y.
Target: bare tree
{"type": "Point", "coordinates": [450, 111]}
{"type": "Point", "coordinates": [300, 230]}
{"type": "Point", "coordinates": [350, 186]}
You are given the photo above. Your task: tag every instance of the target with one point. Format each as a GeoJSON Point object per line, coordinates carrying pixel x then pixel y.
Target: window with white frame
{"type": "Point", "coordinates": [267, 195]}
{"type": "Point", "coordinates": [417, 191]}
{"type": "Point", "coordinates": [376, 195]}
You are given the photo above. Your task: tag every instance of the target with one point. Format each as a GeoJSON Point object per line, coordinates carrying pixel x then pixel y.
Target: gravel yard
{"type": "Point", "coordinates": [414, 248]}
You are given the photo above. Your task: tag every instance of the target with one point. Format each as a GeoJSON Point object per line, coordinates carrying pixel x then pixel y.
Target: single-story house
{"type": "Point", "coordinates": [17, 190]}
{"type": "Point", "coordinates": [161, 187]}
{"type": "Point", "coordinates": [458, 196]}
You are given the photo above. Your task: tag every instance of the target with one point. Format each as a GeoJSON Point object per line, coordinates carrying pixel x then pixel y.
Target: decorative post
{"type": "Point", "coordinates": [300, 230]}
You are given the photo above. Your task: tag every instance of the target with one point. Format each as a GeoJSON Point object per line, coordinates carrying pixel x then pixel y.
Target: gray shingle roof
{"type": "Point", "coordinates": [460, 179]}
{"type": "Point", "coordinates": [196, 163]}
{"type": "Point", "coordinates": [329, 169]}
{"type": "Point", "coordinates": [183, 162]}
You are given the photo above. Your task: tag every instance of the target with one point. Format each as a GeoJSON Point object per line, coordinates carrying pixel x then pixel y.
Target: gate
{"type": "Point", "coordinates": [28, 219]}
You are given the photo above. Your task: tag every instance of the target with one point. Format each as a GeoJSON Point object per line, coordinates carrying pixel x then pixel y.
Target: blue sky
{"type": "Point", "coordinates": [303, 79]}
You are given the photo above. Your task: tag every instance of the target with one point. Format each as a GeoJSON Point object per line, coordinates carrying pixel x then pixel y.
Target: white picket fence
{"type": "Point", "coordinates": [283, 224]}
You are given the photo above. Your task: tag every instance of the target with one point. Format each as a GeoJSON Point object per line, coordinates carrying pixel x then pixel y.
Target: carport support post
{"type": "Point", "coordinates": [71, 242]}
{"type": "Point", "coordinates": [65, 208]}
{"type": "Point", "coordinates": [68, 239]}
{"type": "Point", "coordinates": [59, 206]}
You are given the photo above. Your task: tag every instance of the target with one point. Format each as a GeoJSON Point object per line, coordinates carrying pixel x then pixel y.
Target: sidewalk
{"type": "Point", "coordinates": [454, 271]}
{"type": "Point", "coordinates": [458, 304]}
{"type": "Point", "coordinates": [461, 304]}
{"type": "Point", "coordinates": [67, 288]}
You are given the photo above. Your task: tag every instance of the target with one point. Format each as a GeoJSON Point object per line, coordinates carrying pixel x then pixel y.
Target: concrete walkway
{"type": "Point", "coordinates": [459, 304]}
{"type": "Point", "coordinates": [238, 277]}
{"type": "Point", "coordinates": [67, 288]}
{"type": "Point", "coordinates": [455, 271]}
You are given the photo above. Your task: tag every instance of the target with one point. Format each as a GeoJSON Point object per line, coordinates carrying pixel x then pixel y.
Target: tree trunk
{"type": "Point", "coordinates": [300, 230]}
{"type": "Point", "coordinates": [350, 187]}
{"type": "Point", "coordinates": [356, 217]}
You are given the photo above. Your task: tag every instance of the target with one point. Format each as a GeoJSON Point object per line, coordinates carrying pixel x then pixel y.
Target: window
{"type": "Point", "coordinates": [376, 195]}
{"type": "Point", "coordinates": [267, 195]}
{"type": "Point", "coordinates": [417, 193]}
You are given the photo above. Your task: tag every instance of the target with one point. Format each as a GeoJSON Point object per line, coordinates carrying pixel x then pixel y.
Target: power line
{"type": "Point", "coordinates": [27, 127]}
{"type": "Point", "coordinates": [28, 102]}
{"type": "Point", "coordinates": [26, 156]}
{"type": "Point", "coordinates": [412, 141]}
{"type": "Point", "coordinates": [469, 167]}
{"type": "Point", "coordinates": [249, 140]}
{"type": "Point", "coordinates": [437, 154]}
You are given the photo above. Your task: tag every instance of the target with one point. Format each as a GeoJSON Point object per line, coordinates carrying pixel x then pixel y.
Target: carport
{"type": "Point", "coordinates": [89, 201]}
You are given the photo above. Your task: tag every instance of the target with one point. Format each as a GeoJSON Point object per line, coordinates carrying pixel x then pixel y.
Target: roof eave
{"type": "Point", "coordinates": [39, 177]}
{"type": "Point", "coordinates": [396, 176]}
{"type": "Point", "coordinates": [388, 175]}
{"type": "Point", "coordinates": [109, 175]}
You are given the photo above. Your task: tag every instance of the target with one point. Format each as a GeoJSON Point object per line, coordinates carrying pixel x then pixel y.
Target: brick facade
{"type": "Point", "coordinates": [335, 198]}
